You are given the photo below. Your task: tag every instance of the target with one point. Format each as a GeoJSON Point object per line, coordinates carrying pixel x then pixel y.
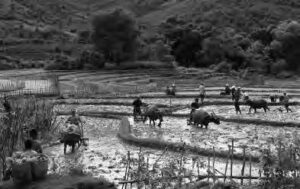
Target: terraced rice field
{"type": "Point", "coordinates": [106, 153]}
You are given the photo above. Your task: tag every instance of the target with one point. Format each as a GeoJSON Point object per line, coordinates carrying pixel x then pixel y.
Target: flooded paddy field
{"type": "Point", "coordinates": [256, 138]}
{"type": "Point", "coordinates": [273, 115]}
{"type": "Point", "coordinates": [152, 101]}
{"type": "Point", "coordinates": [224, 111]}
{"type": "Point", "coordinates": [105, 155]}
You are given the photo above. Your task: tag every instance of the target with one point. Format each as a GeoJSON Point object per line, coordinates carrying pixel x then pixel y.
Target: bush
{"type": "Point", "coordinates": [92, 60]}
{"type": "Point", "coordinates": [6, 66]}
{"type": "Point", "coordinates": [61, 62]}
{"type": "Point", "coordinates": [278, 66]}
{"type": "Point", "coordinates": [186, 48]}
{"type": "Point", "coordinates": [223, 67]}
{"type": "Point", "coordinates": [115, 35]}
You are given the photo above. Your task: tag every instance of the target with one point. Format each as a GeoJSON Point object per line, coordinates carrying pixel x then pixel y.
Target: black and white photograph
{"type": "Point", "coordinates": [149, 94]}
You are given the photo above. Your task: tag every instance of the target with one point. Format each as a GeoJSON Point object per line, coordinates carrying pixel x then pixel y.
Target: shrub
{"type": "Point", "coordinates": [61, 62]}
{"type": "Point", "coordinates": [186, 48]}
{"type": "Point", "coordinates": [115, 35]}
{"type": "Point", "coordinates": [223, 67]}
{"type": "Point", "coordinates": [6, 66]}
{"type": "Point", "coordinates": [92, 59]}
{"type": "Point", "coordinates": [278, 66]}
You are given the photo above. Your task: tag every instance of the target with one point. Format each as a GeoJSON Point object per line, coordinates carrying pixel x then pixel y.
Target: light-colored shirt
{"type": "Point", "coordinates": [74, 120]}
{"type": "Point", "coordinates": [202, 89]}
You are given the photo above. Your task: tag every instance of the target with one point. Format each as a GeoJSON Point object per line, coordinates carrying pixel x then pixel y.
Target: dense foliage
{"type": "Point", "coordinates": [115, 36]}
{"type": "Point", "coordinates": [270, 50]}
{"type": "Point", "coordinates": [28, 113]}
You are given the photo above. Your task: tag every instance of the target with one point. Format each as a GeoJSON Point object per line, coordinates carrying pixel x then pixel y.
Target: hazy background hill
{"type": "Point", "coordinates": [75, 14]}
{"type": "Point", "coordinates": [23, 23]}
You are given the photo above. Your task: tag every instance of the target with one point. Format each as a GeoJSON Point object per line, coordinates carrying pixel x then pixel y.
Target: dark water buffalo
{"type": "Point", "coordinates": [70, 139]}
{"type": "Point", "coordinates": [153, 113]}
{"type": "Point", "coordinates": [257, 104]}
{"type": "Point", "coordinates": [200, 117]}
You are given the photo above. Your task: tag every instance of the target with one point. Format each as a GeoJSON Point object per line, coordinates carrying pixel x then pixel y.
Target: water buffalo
{"type": "Point", "coordinates": [257, 104]}
{"type": "Point", "coordinates": [153, 113]}
{"type": "Point", "coordinates": [71, 139]}
{"type": "Point", "coordinates": [203, 118]}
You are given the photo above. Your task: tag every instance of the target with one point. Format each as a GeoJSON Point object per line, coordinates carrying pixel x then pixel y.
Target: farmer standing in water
{"type": "Point", "coordinates": [194, 106]}
{"type": "Point", "coordinates": [237, 97]}
{"type": "Point", "coordinates": [285, 102]}
{"type": "Point", "coordinates": [202, 92]}
{"type": "Point", "coordinates": [137, 103]}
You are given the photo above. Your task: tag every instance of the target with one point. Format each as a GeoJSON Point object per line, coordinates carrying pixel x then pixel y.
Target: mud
{"type": "Point", "coordinates": [106, 154]}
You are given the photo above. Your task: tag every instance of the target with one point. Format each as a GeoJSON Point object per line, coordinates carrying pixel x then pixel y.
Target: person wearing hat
{"type": "Point", "coordinates": [246, 96]}
{"type": "Point", "coordinates": [173, 89]}
{"type": "Point", "coordinates": [227, 89]}
{"type": "Point", "coordinates": [168, 90]}
{"type": "Point", "coordinates": [202, 92]}
{"type": "Point", "coordinates": [137, 103]}
{"type": "Point", "coordinates": [237, 94]}
{"type": "Point", "coordinates": [237, 97]}
{"type": "Point", "coordinates": [75, 120]}
{"type": "Point", "coordinates": [233, 89]}
{"type": "Point", "coordinates": [194, 106]}
{"type": "Point", "coordinates": [285, 102]}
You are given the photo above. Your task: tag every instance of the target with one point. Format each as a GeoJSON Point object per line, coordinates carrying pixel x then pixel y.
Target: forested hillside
{"type": "Point", "coordinates": [249, 24]}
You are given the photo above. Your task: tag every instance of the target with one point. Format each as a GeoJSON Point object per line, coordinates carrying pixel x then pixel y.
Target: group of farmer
{"type": "Point", "coordinates": [237, 95]}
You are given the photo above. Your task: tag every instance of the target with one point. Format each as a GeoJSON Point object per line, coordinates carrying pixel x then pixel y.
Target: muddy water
{"type": "Point", "coordinates": [165, 101]}
{"type": "Point", "coordinates": [273, 115]}
{"type": "Point", "coordinates": [225, 111]}
{"type": "Point", "coordinates": [220, 136]}
{"type": "Point", "coordinates": [217, 93]}
{"type": "Point", "coordinates": [105, 154]}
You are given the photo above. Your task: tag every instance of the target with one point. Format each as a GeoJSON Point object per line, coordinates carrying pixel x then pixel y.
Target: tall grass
{"type": "Point", "coordinates": [282, 168]}
{"type": "Point", "coordinates": [27, 113]}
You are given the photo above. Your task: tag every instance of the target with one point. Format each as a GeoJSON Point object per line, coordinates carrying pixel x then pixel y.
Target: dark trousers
{"type": "Point", "coordinates": [237, 107]}
{"type": "Point", "coordinates": [191, 113]}
{"type": "Point", "coordinates": [202, 96]}
{"type": "Point", "coordinates": [137, 111]}
{"type": "Point", "coordinates": [288, 109]}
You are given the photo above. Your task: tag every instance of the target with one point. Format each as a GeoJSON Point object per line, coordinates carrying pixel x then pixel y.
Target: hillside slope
{"type": "Point", "coordinates": [72, 16]}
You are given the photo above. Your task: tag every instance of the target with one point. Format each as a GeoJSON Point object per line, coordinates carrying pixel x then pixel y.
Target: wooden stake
{"type": "Point", "coordinates": [214, 159]}
{"type": "Point", "coordinates": [227, 161]}
{"type": "Point", "coordinates": [208, 168]}
{"type": "Point", "coordinates": [231, 158]}
{"type": "Point", "coordinates": [244, 162]}
{"type": "Point", "coordinates": [250, 169]}
{"type": "Point", "coordinates": [198, 169]}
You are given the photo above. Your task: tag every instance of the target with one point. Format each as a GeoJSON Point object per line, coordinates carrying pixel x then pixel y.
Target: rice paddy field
{"type": "Point", "coordinates": [106, 154]}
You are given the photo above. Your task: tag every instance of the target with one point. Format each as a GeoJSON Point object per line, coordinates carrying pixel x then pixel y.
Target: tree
{"type": "Point", "coordinates": [286, 44]}
{"type": "Point", "coordinates": [186, 48]}
{"type": "Point", "coordinates": [115, 36]}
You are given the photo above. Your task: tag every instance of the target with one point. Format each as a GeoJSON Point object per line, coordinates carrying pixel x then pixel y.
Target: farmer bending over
{"type": "Point", "coordinates": [137, 103]}
{"type": "Point", "coordinates": [36, 145]}
{"type": "Point", "coordinates": [227, 89]}
{"type": "Point", "coordinates": [173, 89]}
{"type": "Point", "coordinates": [28, 151]}
{"type": "Point", "coordinates": [194, 106]}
